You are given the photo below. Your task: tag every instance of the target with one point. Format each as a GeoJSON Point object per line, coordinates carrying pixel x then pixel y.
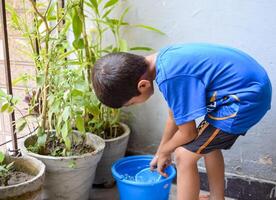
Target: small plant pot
{"type": "Point", "coordinates": [30, 189]}
{"type": "Point", "coordinates": [69, 177]}
{"type": "Point", "coordinates": [114, 149]}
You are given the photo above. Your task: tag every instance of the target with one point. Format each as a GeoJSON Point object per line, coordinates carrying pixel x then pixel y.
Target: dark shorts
{"type": "Point", "coordinates": [210, 138]}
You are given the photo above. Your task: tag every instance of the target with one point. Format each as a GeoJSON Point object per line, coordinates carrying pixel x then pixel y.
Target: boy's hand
{"type": "Point", "coordinates": [164, 160]}
{"type": "Point", "coordinates": [153, 163]}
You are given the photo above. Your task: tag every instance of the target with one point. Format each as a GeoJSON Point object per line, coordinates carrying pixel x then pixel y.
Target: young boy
{"type": "Point", "coordinates": [226, 85]}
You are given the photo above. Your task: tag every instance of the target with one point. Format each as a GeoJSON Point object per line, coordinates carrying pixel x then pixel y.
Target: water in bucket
{"type": "Point", "coordinates": [144, 176]}
{"type": "Point", "coordinates": [147, 176]}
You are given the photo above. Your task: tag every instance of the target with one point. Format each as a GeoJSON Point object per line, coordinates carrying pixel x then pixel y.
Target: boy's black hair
{"type": "Point", "coordinates": [115, 77]}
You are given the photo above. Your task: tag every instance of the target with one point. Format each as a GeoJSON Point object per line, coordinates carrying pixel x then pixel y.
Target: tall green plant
{"type": "Point", "coordinates": [58, 79]}
{"type": "Point", "coordinates": [98, 118]}
{"type": "Point", "coordinates": [63, 99]}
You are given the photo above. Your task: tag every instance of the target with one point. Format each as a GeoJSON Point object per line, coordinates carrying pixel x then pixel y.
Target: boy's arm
{"type": "Point", "coordinates": [186, 133]}
{"type": "Point", "coordinates": [169, 131]}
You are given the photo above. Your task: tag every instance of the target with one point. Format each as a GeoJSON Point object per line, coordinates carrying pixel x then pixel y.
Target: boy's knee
{"type": "Point", "coordinates": [185, 158]}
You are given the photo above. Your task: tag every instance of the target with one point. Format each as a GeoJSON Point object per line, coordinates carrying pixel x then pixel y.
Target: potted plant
{"type": "Point", "coordinates": [91, 45]}
{"type": "Point", "coordinates": [21, 177]}
{"type": "Point", "coordinates": [60, 141]}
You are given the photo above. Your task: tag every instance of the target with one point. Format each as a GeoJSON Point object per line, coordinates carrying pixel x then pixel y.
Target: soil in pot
{"type": "Point", "coordinates": [23, 178]}
{"type": "Point", "coordinates": [110, 133]}
{"type": "Point", "coordinates": [55, 147]}
{"type": "Point", "coordinates": [15, 176]}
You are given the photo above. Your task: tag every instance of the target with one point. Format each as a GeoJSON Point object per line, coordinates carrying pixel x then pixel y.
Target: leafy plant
{"type": "Point", "coordinates": [63, 99]}
{"type": "Point", "coordinates": [5, 170]}
{"type": "Point", "coordinates": [57, 78]}
{"type": "Point", "coordinates": [98, 118]}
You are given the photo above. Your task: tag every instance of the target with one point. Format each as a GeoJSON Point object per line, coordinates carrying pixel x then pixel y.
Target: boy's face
{"type": "Point", "coordinates": [146, 89]}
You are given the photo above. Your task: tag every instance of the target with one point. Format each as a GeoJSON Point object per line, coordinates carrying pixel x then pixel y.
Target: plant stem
{"type": "Point", "coordinates": [46, 69]}
{"type": "Point", "coordinates": [40, 15]}
{"type": "Point", "coordinates": [88, 54]}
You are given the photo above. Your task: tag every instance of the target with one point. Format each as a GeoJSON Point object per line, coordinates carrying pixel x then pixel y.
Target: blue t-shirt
{"type": "Point", "coordinates": [226, 85]}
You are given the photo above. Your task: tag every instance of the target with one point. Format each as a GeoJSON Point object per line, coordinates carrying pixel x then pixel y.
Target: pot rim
{"type": "Point", "coordinates": [36, 155]}
{"type": "Point", "coordinates": [125, 134]}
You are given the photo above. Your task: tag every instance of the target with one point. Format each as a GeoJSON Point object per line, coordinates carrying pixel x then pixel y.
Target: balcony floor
{"type": "Point", "coordinates": [112, 193]}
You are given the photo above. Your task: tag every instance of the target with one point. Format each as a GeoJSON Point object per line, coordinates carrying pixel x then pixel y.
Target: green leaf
{"type": "Point", "coordinates": [66, 113]}
{"type": "Point", "coordinates": [110, 3]}
{"type": "Point", "coordinates": [76, 23]}
{"type": "Point", "coordinates": [67, 53]}
{"type": "Point", "coordinates": [40, 132]}
{"type": "Point", "coordinates": [3, 168]}
{"type": "Point", "coordinates": [107, 13]}
{"type": "Point", "coordinates": [123, 45]}
{"type": "Point", "coordinates": [149, 28]}
{"type": "Point", "coordinates": [14, 16]}
{"type": "Point", "coordinates": [141, 49]}
{"type": "Point", "coordinates": [5, 106]}
{"type": "Point", "coordinates": [124, 14]}
{"type": "Point", "coordinates": [49, 14]}
{"type": "Point", "coordinates": [66, 27]}
{"type": "Point", "coordinates": [64, 131]}
{"type": "Point", "coordinates": [80, 124]}
{"type": "Point", "coordinates": [76, 92]}
{"type": "Point", "coordinates": [20, 124]}
{"type": "Point", "coordinates": [94, 5]}
{"type": "Point", "coordinates": [22, 78]}
{"type": "Point", "coordinates": [10, 109]}
{"type": "Point", "coordinates": [10, 165]}
{"type": "Point", "coordinates": [2, 157]}
{"type": "Point", "coordinates": [95, 111]}
{"type": "Point", "coordinates": [79, 43]}
{"type": "Point", "coordinates": [40, 80]}
{"type": "Point", "coordinates": [67, 142]}
{"type": "Point", "coordinates": [41, 140]}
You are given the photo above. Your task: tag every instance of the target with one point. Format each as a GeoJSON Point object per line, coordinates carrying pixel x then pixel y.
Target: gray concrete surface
{"type": "Point", "coordinates": [112, 194]}
{"type": "Point", "coordinates": [248, 25]}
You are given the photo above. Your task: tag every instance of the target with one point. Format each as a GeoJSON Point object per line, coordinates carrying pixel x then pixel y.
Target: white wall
{"type": "Point", "coordinates": [249, 25]}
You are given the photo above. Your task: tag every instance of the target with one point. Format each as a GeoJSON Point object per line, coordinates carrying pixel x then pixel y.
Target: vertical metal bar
{"type": "Point", "coordinates": [8, 73]}
{"type": "Point", "coordinates": [36, 40]}
{"type": "Point", "coordinates": [63, 5]}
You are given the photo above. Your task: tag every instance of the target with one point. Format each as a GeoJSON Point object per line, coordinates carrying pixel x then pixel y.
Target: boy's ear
{"type": "Point", "coordinates": [143, 85]}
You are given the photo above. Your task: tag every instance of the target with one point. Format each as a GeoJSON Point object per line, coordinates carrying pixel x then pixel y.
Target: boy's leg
{"type": "Point", "coordinates": [210, 139]}
{"type": "Point", "coordinates": [187, 174]}
{"type": "Point", "coordinates": [214, 164]}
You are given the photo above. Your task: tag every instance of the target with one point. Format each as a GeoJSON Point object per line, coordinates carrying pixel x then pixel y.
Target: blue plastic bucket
{"type": "Point", "coordinates": [124, 171]}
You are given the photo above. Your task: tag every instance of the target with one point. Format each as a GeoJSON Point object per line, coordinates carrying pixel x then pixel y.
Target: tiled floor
{"type": "Point", "coordinates": [112, 194]}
